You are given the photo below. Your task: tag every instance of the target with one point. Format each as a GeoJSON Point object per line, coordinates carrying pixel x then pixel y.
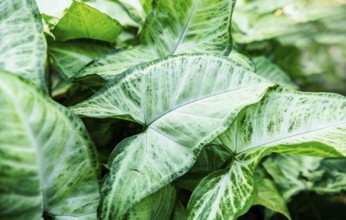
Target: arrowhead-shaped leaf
{"type": "Point", "coordinates": [47, 161]}
{"type": "Point", "coordinates": [182, 26]}
{"type": "Point", "coordinates": [22, 43]}
{"type": "Point", "coordinates": [178, 117]}
{"type": "Point", "coordinates": [284, 121]}
{"type": "Point", "coordinates": [83, 21]}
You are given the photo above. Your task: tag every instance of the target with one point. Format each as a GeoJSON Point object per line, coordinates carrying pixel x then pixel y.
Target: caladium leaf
{"type": "Point", "coordinates": [159, 205]}
{"type": "Point", "coordinates": [69, 57]}
{"type": "Point", "coordinates": [182, 26]}
{"type": "Point", "coordinates": [22, 42]}
{"type": "Point", "coordinates": [178, 117]}
{"type": "Point", "coordinates": [269, 196]}
{"type": "Point", "coordinates": [83, 21]}
{"type": "Point", "coordinates": [47, 161]}
{"type": "Point", "coordinates": [284, 121]}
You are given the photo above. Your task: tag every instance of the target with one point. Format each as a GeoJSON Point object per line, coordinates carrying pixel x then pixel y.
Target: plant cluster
{"type": "Point", "coordinates": [161, 109]}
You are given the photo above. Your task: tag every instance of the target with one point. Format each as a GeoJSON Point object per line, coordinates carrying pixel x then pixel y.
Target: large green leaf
{"type": "Point", "coordinates": [182, 26]}
{"type": "Point", "coordinates": [284, 121]}
{"type": "Point", "coordinates": [159, 205]}
{"type": "Point", "coordinates": [69, 57]}
{"type": "Point", "coordinates": [22, 43]}
{"type": "Point", "coordinates": [83, 21]}
{"type": "Point", "coordinates": [178, 118]}
{"type": "Point", "coordinates": [47, 161]}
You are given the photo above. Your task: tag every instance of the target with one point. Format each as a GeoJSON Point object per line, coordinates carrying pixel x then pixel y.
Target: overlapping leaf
{"type": "Point", "coordinates": [47, 161]}
{"type": "Point", "coordinates": [298, 173]}
{"type": "Point", "coordinates": [269, 196]}
{"type": "Point", "coordinates": [83, 21]}
{"type": "Point", "coordinates": [69, 57]}
{"type": "Point", "coordinates": [178, 116]}
{"type": "Point", "coordinates": [182, 26]}
{"type": "Point", "coordinates": [284, 121]}
{"type": "Point", "coordinates": [159, 205]}
{"type": "Point", "coordinates": [22, 43]}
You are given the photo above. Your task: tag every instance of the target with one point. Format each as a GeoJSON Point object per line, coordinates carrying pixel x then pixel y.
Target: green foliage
{"type": "Point", "coordinates": [159, 109]}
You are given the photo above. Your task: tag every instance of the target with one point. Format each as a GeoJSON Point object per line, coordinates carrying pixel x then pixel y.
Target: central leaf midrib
{"type": "Point", "coordinates": [197, 100]}
{"type": "Point", "coordinates": [186, 27]}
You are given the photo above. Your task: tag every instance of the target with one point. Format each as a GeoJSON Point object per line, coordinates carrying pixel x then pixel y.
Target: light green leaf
{"type": "Point", "coordinates": [269, 196]}
{"type": "Point", "coordinates": [115, 10]}
{"type": "Point", "coordinates": [83, 21]}
{"type": "Point", "coordinates": [69, 57]}
{"type": "Point", "coordinates": [178, 116]}
{"type": "Point", "coordinates": [135, 9]}
{"type": "Point", "coordinates": [182, 26]}
{"type": "Point", "coordinates": [272, 72]}
{"type": "Point", "coordinates": [243, 60]}
{"type": "Point", "coordinates": [159, 205]}
{"type": "Point", "coordinates": [283, 121]}
{"type": "Point", "coordinates": [47, 161]}
{"type": "Point", "coordinates": [22, 43]}
{"type": "Point", "coordinates": [253, 22]}
{"type": "Point", "coordinates": [294, 174]}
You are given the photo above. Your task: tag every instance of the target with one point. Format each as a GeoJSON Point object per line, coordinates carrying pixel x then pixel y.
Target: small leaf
{"type": "Point", "coordinates": [179, 118]}
{"type": "Point", "coordinates": [185, 26]}
{"type": "Point", "coordinates": [159, 205]}
{"type": "Point", "coordinates": [48, 163]}
{"type": "Point", "coordinates": [22, 44]}
{"type": "Point", "coordinates": [224, 194]}
{"type": "Point", "coordinates": [69, 57]}
{"type": "Point", "coordinates": [269, 196]}
{"type": "Point", "coordinates": [83, 21]}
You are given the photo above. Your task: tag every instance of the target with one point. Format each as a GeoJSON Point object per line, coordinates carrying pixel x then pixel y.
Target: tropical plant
{"type": "Point", "coordinates": [150, 109]}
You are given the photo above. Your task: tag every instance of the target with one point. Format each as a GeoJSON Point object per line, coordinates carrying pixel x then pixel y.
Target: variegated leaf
{"type": "Point", "coordinates": [178, 118]}
{"type": "Point", "coordinates": [284, 121]}
{"type": "Point", "coordinates": [22, 43]}
{"type": "Point", "coordinates": [173, 27]}
{"type": "Point", "coordinates": [47, 161]}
